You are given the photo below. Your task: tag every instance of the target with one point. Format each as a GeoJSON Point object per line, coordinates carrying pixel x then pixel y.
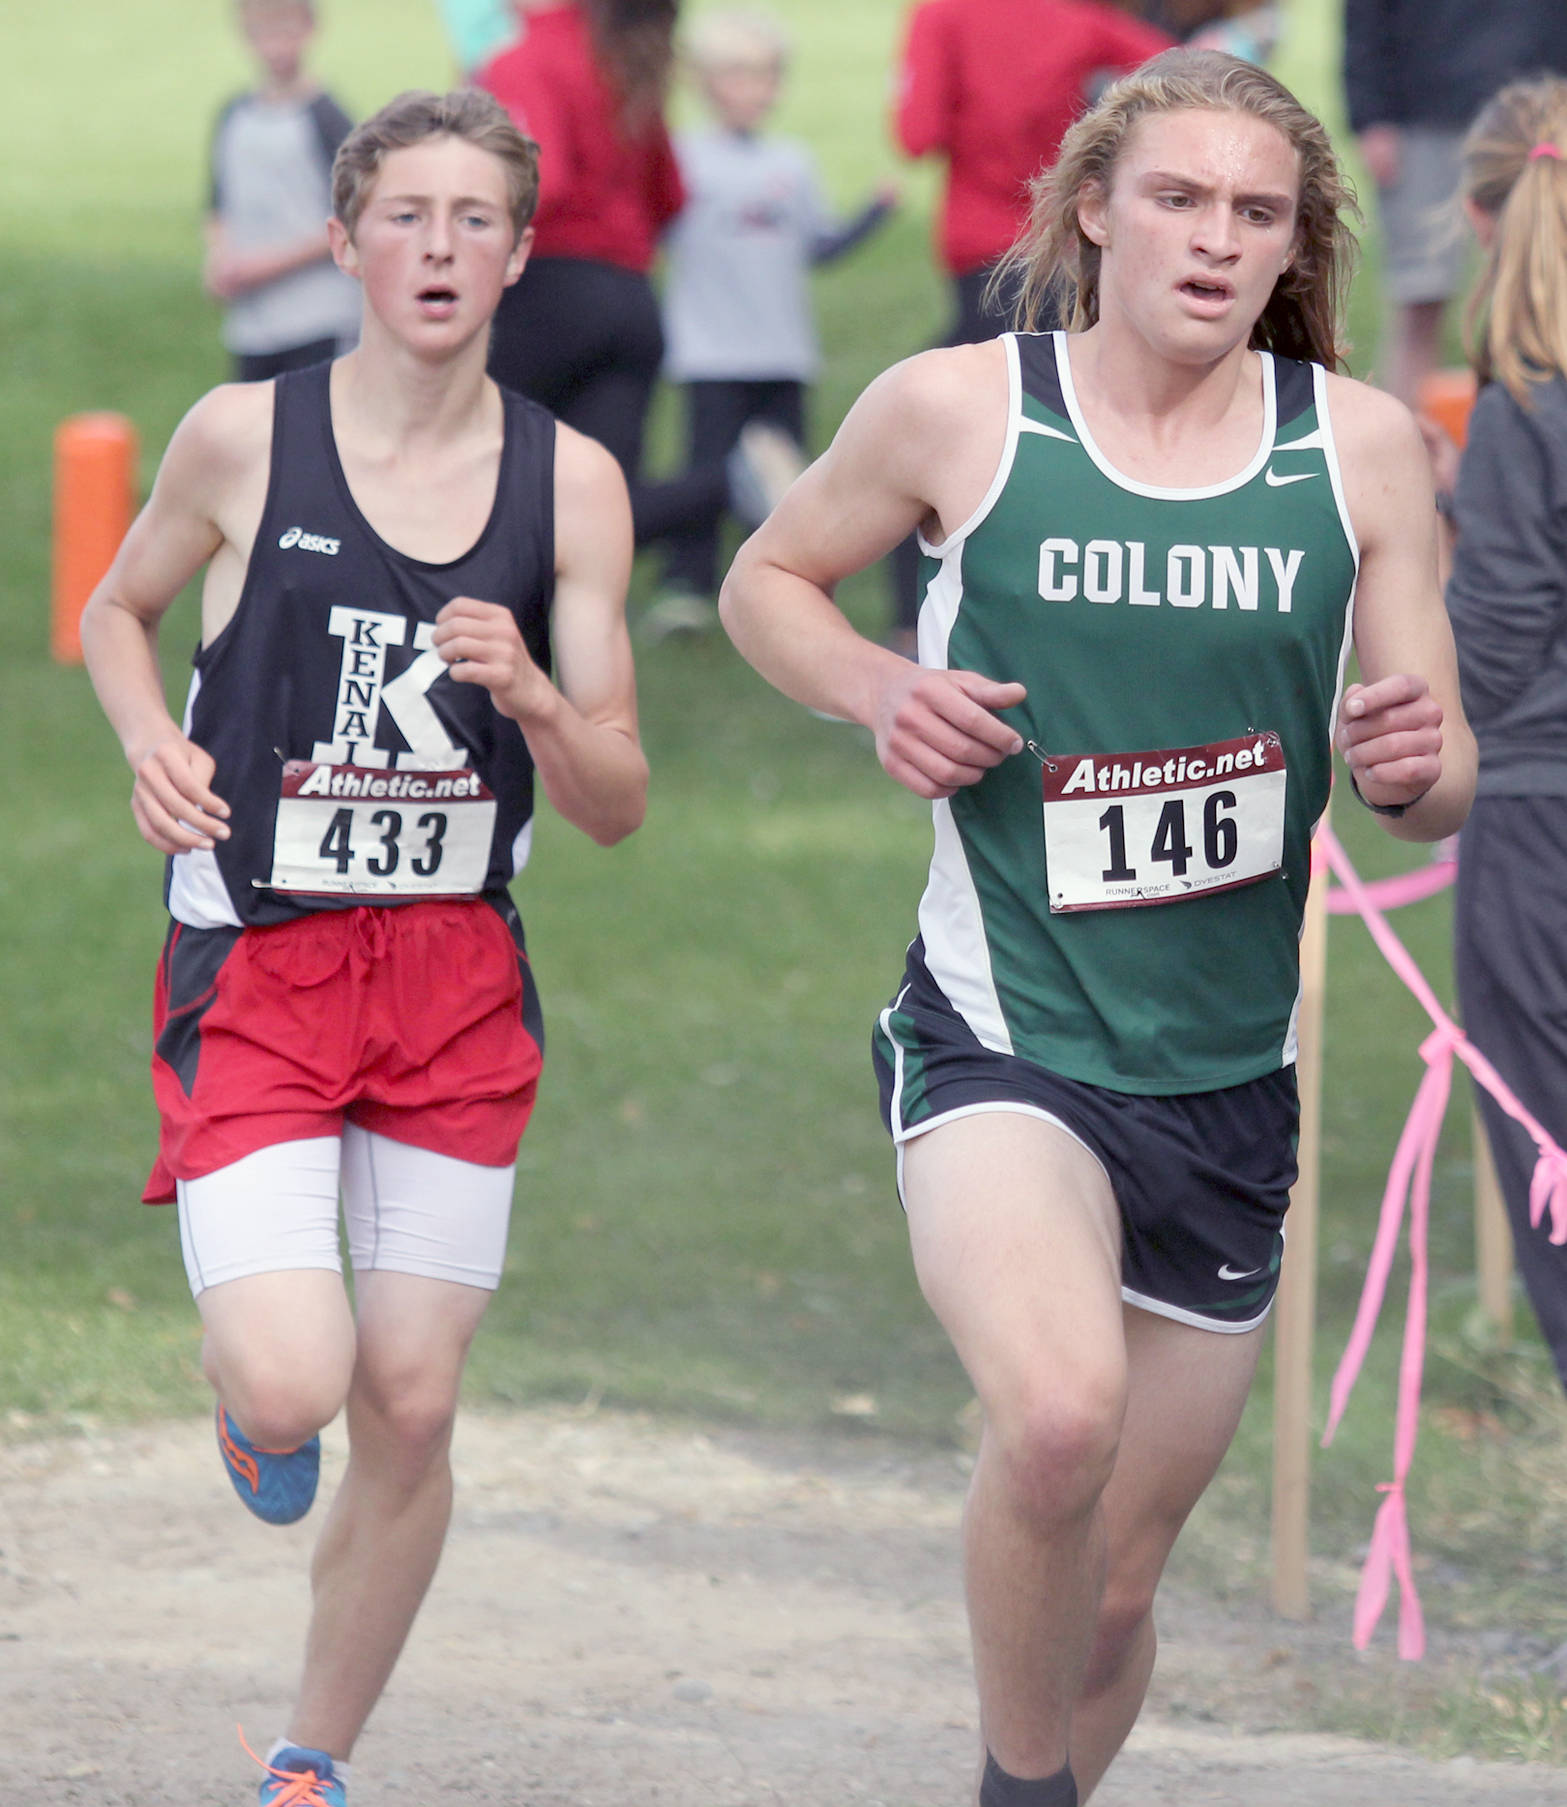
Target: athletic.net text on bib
{"type": "Point", "coordinates": [1143, 828]}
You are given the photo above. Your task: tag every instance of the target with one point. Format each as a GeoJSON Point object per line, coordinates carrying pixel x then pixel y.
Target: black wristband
{"type": "Point", "coordinates": [1381, 809]}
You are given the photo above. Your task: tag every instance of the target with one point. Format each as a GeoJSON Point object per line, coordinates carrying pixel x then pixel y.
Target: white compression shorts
{"type": "Point", "coordinates": [406, 1210]}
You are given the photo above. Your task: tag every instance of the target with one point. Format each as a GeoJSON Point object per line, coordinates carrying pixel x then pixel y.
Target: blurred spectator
{"type": "Point", "coordinates": [737, 305]}
{"type": "Point", "coordinates": [1415, 73]}
{"type": "Point", "coordinates": [990, 86]}
{"type": "Point", "coordinates": [478, 30]}
{"type": "Point", "coordinates": [579, 332]}
{"type": "Point", "coordinates": [1507, 598]}
{"type": "Point", "coordinates": [1240, 28]}
{"type": "Point", "coordinates": [286, 303]}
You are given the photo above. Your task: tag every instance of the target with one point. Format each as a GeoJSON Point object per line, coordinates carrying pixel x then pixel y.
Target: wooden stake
{"type": "Point", "coordinates": [1493, 1237]}
{"type": "Point", "coordinates": [1294, 1312]}
{"type": "Point", "coordinates": [94, 465]}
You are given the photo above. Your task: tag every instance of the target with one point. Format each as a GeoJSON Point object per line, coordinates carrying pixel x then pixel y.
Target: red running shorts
{"type": "Point", "coordinates": [418, 1022]}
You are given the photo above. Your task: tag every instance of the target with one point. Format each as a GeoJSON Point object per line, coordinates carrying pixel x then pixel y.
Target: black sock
{"type": "Point", "coordinates": [998, 1789]}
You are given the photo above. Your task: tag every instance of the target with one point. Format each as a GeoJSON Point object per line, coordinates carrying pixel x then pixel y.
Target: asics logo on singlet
{"type": "Point", "coordinates": [307, 542]}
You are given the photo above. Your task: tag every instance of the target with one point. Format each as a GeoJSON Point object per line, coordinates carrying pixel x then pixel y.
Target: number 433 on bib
{"type": "Point", "coordinates": [362, 831]}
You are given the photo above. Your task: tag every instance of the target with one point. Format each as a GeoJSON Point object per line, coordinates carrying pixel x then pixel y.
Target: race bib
{"type": "Point", "coordinates": [1143, 828]}
{"type": "Point", "coordinates": [358, 831]}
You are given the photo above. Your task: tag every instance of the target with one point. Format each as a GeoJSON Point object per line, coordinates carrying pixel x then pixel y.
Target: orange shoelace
{"type": "Point", "coordinates": [300, 1788]}
{"type": "Point", "coordinates": [242, 1463]}
{"type": "Point", "coordinates": [242, 1459]}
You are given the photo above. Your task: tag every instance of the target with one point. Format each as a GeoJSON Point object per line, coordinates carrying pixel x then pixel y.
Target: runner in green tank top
{"type": "Point", "coordinates": [1150, 546]}
{"type": "Point", "coordinates": [1220, 614]}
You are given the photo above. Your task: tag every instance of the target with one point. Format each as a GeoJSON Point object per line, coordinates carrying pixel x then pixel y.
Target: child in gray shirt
{"type": "Point", "coordinates": [286, 302]}
{"type": "Point", "coordinates": [737, 308]}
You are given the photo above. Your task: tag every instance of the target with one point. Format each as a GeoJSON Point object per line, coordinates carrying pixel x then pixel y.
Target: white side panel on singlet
{"type": "Point", "coordinates": [1324, 437]}
{"type": "Point", "coordinates": [198, 896]}
{"type": "Point", "coordinates": [952, 925]}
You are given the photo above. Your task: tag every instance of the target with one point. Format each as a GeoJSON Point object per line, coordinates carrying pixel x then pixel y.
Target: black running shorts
{"type": "Point", "coordinates": [1202, 1179]}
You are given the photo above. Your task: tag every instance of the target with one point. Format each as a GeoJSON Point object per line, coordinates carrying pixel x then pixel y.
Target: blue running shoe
{"type": "Point", "coordinates": [297, 1777]}
{"type": "Point", "coordinates": [276, 1484]}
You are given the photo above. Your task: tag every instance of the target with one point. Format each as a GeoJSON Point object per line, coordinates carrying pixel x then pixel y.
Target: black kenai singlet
{"type": "Point", "coordinates": [356, 770]}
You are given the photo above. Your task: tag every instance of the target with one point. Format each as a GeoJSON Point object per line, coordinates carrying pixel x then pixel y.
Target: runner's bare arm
{"type": "Point", "coordinates": [582, 733]}
{"type": "Point", "coordinates": [1403, 730]}
{"type": "Point", "coordinates": [919, 446]}
{"type": "Point", "coordinates": [173, 537]}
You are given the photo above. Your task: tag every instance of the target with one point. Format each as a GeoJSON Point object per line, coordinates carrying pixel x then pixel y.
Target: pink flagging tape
{"type": "Point", "coordinates": [1393, 893]}
{"type": "Point", "coordinates": [1409, 1181]}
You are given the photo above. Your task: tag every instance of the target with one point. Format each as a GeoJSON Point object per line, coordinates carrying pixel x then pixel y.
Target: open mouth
{"type": "Point", "coordinates": [1206, 291]}
{"type": "Point", "coordinates": [437, 299]}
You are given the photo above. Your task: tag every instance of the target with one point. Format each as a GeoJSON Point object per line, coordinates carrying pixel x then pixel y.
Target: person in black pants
{"type": "Point", "coordinates": [718, 414]}
{"type": "Point", "coordinates": [579, 332]}
{"type": "Point", "coordinates": [582, 338]}
{"type": "Point", "coordinates": [1507, 600]}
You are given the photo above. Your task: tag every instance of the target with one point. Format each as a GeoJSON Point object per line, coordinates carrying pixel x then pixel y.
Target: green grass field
{"type": "Point", "coordinates": [706, 1220]}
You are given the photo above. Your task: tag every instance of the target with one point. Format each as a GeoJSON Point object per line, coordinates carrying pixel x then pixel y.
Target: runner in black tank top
{"type": "Point", "coordinates": [326, 662]}
{"type": "Point", "coordinates": [396, 554]}
{"type": "Point", "coordinates": [1100, 1236]}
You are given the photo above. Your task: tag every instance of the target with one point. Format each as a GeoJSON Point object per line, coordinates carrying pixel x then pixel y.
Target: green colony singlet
{"type": "Point", "coordinates": [1183, 651]}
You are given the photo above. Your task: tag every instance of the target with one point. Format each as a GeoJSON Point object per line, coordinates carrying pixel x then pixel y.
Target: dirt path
{"type": "Point", "coordinates": [629, 1612]}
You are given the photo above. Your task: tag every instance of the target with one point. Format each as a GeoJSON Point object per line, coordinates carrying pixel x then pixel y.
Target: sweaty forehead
{"type": "Point", "coordinates": [1214, 148]}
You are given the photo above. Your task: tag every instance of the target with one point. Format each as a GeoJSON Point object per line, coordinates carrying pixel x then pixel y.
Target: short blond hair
{"type": "Point", "coordinates": [1515, 170]}
{"type": "Point", "coordinates": [734, 38]}
{"type": "Point", "coordinates": [417, 115]}
{"type": "Point", "coordinates": [1054, 260]}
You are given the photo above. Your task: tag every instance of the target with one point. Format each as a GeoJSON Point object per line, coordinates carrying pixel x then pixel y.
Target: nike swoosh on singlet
{"type": "Point", "coordinates": [1277, 481]}
{"type": "Point", "coordinates": [1228, 1273]}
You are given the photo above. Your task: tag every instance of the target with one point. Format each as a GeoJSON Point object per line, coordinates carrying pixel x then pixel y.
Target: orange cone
{"type": "Point", "coordinates": [94, 466]}
{"type": "Point", "coordinates": [1447, 396]}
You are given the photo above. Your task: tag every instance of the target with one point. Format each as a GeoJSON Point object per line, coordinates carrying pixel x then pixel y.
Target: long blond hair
{"type": "Point", "coordinates": [1054, 260]}
{"type": "Point", "coordinates": [1515, 170]}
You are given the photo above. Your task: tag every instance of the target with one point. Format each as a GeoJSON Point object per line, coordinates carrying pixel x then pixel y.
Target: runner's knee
{"type": "Point", "coordinates": [408, 1407]}
{"type": "Point", "coordinates": [279, 1351]}
{"type": "Point", "coordinates": [280, 1407]}
{"type": "Point", "coordinates": [1056, 1441]}
{"type": "Point", "coordinates": [417, 1419]}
